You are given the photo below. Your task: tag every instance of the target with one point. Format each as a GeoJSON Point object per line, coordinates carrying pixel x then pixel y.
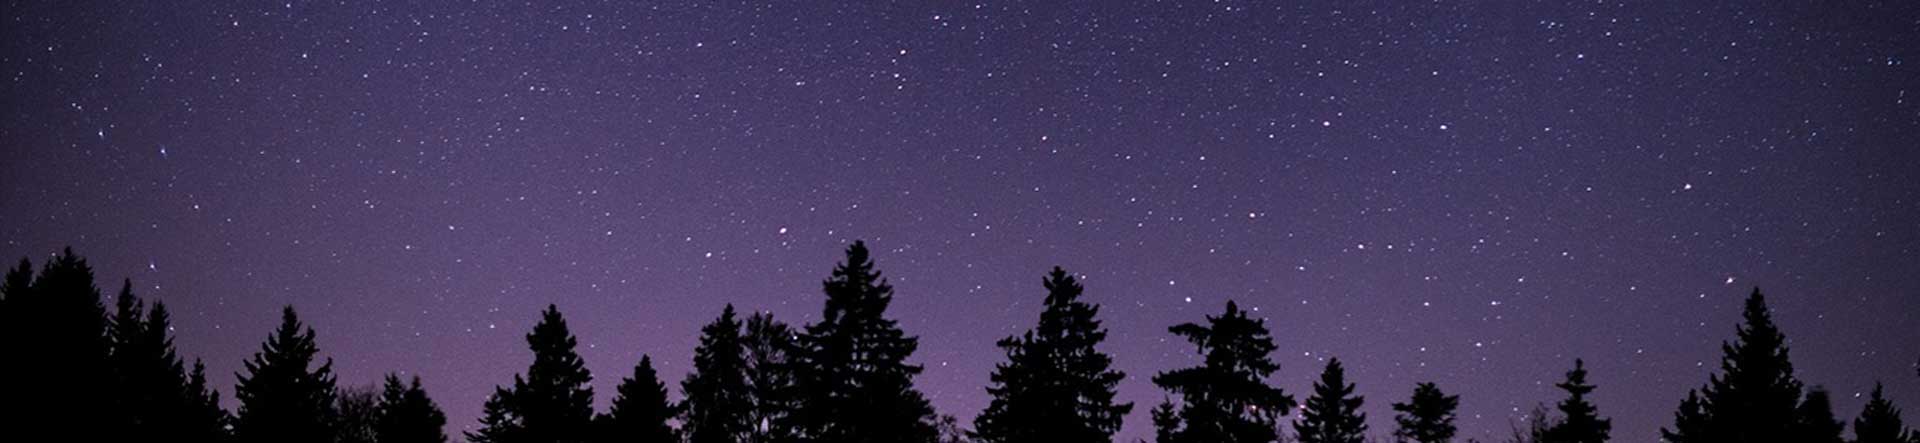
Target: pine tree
{"type": "Point", "coordinates": [1055, 386]}
{"type": "Point", "coordinates": [858, 385]}
{"type": "Point", "coordinates": [1427, 417]}
{"type": "Point", "coordinates": [58, 380]}
{"type": "Point", "coordinates": [202, 418]}
{"type": "Point", "coordinates": [1225, 400]}
{"type": "Point", "coordinates": [718, 407]}
{"type": "Point", "coordinates": [281, 400]}
{"type": "Point", "coordinates": [407, 415]}
{"type": "Point", "coordinates": [154, 395]}
{"type": "Point", "coordinates": [641, 411]}
{"type": "Point", "coordinates": [1815, 422]}
{"type": "Point", "coordinates": [1880, 422]}
{"type": "Point", "coordinates": [772, 349]}
{"type": "Point", "coordinates": [1754, 397]}
{"type": "Point", "coordinates": [553, 402]}
{"type": "Point", "coordinates": [1332, 414]}
{"type": "Point", "coordinates": [1580, 421]}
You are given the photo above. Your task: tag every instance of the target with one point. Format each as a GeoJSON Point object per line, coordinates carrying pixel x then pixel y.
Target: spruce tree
{"type": "Point", "coordinates": [58, 383]}
{"type": "Point", "coordinates": [281, 399]}
{"type": "Point", "coordinates": [1754, 397]}
{"type": "Point", "coordinates": [1815, 422]}
{"type": "Point", "coordinates": [641, 411]}
{"type": "Point", "coordinates": [718, 404]}
{"type": "Point", "coordinates": [154, 395]}
{"type": "Point", "coordinates": [859, 388]}
{"type": "Point", "coordinates": [553, 402]}
{"type": "Point", "coordinates": [1055, 386]}
{"type": "Point", "coordinates": [1427, 417]}
{"type": "Point", "coordinates": [202, 419]}
{"type": "Point", "coordinates": [1332, 414]}
{"type": "Point", "coordinates": [1226, 399]}
{"type": "Point", "coordinates": [1880, 422]}
{"type": "Point", "coordinates": [407, 415]}
{"type": "Point", "coordinates": [772, 349]}
{"type": "Point", "coordinates": [1580, 421]}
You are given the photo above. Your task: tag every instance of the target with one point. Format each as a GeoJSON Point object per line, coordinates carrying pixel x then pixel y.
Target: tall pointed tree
{"type": "Point", "coordinates": [1580, 421]}
{"type": "Point", "coordinates": [1055, 385]}
{"type": "Point", "coordinates": [859, 387]}
{"type": "Point", "coordinates": [772, 349]}
{"type": "Point", "coordinates": [202, 418]}
{"type": "Point", "coordinates": [1814, 420]}
{"type": "Point", "coordinates": [1880, 422]}
{"type": "Point", "coordinates": [641, 411]}
{"type": "Point", "coordinates": [1754, 397]}
{"type": "Point", "coordinates": [1332, 414]}
{"type": "Point", "coordinates": [1427, 417]}
{"type": "Point", "coordinates": [407, 415]}
{"type": "Point", "coordinates": [553, 402]}
{"type": "Point", "coordinates": [155, 397]}
{"type": "Point", "coordinates": [282, 397]}
{"type": "Point", "coordinates": [718, 407]}
{"type": "Point", "coordinates": [1226, 399]}
{"type": "Point", "coordinates": [58, 380]}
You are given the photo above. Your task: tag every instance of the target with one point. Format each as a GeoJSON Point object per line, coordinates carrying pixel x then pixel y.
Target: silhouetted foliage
{"type": "Point", "coordinates": [1816, 423]}
{"type": "Point", "coordinates": [641, 411]}
{"type": "Point", "coordinates": [1226, 399]}
{"type": "Point", "coordinates": [1539, 420]}
{"type": "Point", "coordinates": [857, 383]}
{"type": "Point", "coordinates": [1427, 417]}
{"type": "Point", "coordinates": [154, 395]}
{"type": "Point", "coordinates": [1332, 414]}
{"type": "Point", "coordinates": [407, 415]}
{"type": "Point", "coordinates": [1055, 386]}
{"type": "Point", "coordinates": [553, 402]}
{"type": "Point", "coordinates": [356, 410]}
{"type": "Point", "coordinates": [58, 380]}
{"type": "Point", "coordinates": [772, 349]}
{"type": "Point", "coordinates": [204, 420]}
{"type": "Point", "coordinates": [281, 399]}
{"type": "Point", "coordinates": [1580, 421]}
{"type": "Point", "coordinates": [717, 404]}
{"type": "Point", "coordinates": [1880, 422]}
{"type": "Point", "coordinates": [1754, 397]}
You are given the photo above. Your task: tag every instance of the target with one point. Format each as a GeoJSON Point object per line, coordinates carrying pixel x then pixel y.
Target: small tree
{"type": "Point", "coordinates": [281, 399]}
{"type": "Point", "coordinates": [1580, 421]}
{"type": "Point", "coordinates": [1332, 414]}
{"type": "Point", "coordinates": [718, 406]}
{"type": "Point", "coordinates": [641, 411]}
{"type": "Point", "coordinates": [407, 415]}
{"type": "Point", "coordinates": [1226, 399]}
{"type": "Point", "coordinates": [1880, 422]}
{"type": "Point", "coordinates": [1427, 417]}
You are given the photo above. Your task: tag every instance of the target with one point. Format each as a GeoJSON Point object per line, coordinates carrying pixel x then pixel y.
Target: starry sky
{"type": "Point", "coordinates": [1473, 193]}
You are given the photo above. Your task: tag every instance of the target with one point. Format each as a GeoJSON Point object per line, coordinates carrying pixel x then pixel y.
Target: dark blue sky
{"type": "Point", "coordinates": [1468, 193]}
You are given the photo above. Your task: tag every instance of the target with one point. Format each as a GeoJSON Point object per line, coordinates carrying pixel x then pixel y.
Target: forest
{"type": "Point", "coordinates": [80, 367]}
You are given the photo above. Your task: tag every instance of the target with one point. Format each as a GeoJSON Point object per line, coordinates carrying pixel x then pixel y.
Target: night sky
{"type": "Point", "coordinates": [1468, 193]}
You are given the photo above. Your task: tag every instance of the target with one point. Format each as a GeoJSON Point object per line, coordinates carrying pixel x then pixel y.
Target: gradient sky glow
{"type": "Point", "coordinates": [1468, 193]}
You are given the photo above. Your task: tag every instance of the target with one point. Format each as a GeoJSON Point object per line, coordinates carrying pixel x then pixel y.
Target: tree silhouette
{"type": "Point", "coordinates": [356, 413]}
{"type": "Point", "coordinates": [717, 405]}
{"type": "Point", "coordinates": [407, 415]}
{"type": "Point", "coordinates": [58, 378]}
{"type": "Point", "coordinates": [858, 385]}
{"type": "Point", "coordinates": [202, 418]}
{"type": "Point", "coordinates": [1055, 386]}
{"type": "Point", "coordinates": [1754, 397]}
{"type": "Point", "coordinates": [1226, 399]}
{"type": "Point", "coordinates": [553, 402]}
{"type": "Point", "coordinates": [1580, 421]}
{"type": "Point", "coordinates": [153, 393]}
{"type": "Point", "coordinates": [1880, 422]}
{"type": "Point", "coordinates": [281, 400]}
{"type": "Point", "coordinates": [640, 411]}
{"type": "Point", "coordinates": [1427, 417]}
{"type": "Point", "coordinates": [772, 349]}
{"type": "Point", "coordinates": [1816, 423]}
{"type": "Point", "coordinates": [1332, 414]}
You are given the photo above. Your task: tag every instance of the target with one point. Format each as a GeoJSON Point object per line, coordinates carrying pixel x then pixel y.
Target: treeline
{"type": "Point", "coordinates": [76, 372]}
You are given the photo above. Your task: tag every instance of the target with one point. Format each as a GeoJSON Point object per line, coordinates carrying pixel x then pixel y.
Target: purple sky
{"type": "Point", "coordinates": [1473, 194]}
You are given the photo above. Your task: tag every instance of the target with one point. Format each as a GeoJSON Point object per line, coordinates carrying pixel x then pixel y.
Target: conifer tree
{"type": "Point", "coordinates": [641, 411]}
{"type": "Point", "coordinates": [772, 349]}
{"type": "Point", "coordinates": [1226, 399]}
{"type": "Point", "coordinates": [1754, 397]}
{"type": "Point", "coordinates": [1332, 414]}
{"type": "Point", "coordinates": [717, 404]}
{"type": "Point", "coordinates": [407, 415]}
{"type": "Point", "coordinates": [1880, 422]}
{"type": "Point", "coordinates": [1055, 386]}
{"type": "Point", "coordinates": [1427, 417]}
{"type": "Point", "coordinates": [1815, 420]}
{"type": "Point", "coordinates": [202, 418]}
{"type": "Point", "coordinates": [281, 399]}
{"type": "Point", "coordinates": [154, 395]}
{"type": "Point", "coordinates": [58, 380]}
{"type": "Point", "coordinates": [1580, 421]}
{"type": "Point", "coordinates": [859, 388]}
{"type": "Point", "coordinates": [553, 402]}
